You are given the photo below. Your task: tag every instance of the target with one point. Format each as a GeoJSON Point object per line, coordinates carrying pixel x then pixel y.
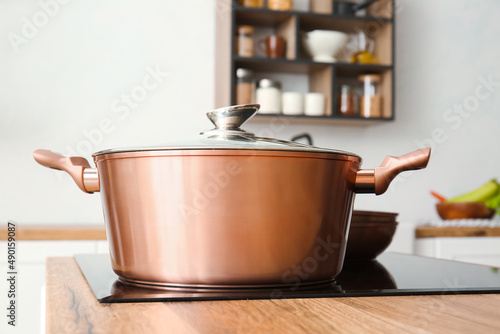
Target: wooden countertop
{"type": "Point", "coordinates": [57, 232]}
{"type": "Point", "coordinates": [72, 308]}
{"type": "Point", "coordinates": [455, 231]}
{"type": "Point", "coordinates": [98, 232]}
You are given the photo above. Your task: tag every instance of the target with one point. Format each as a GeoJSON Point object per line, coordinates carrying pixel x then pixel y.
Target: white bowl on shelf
{"type": "Point", "coordinates": [323, 45]}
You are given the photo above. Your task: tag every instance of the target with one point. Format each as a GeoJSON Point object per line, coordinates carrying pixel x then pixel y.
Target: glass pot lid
{"type": "Point", "coordinates": [228, 135]}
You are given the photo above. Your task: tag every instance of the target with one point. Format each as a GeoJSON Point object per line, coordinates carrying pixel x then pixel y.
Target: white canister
{"type": "Point", "coordinates": [268, 95]}
{"type": "Point", "coordinates": [292, 103]}
{"type": "Point", "coordinates": [314, 104]}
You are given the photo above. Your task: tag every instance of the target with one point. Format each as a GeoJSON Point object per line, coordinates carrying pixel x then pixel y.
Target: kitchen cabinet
{"type": "Point", "coordinates": [72, 308]}
{"type": "Point", "coordinates": [298, 72]}
{"type": "Point", "coordinates": [33, 247]}
{"type": "Point", "coordinates": [480, 245]}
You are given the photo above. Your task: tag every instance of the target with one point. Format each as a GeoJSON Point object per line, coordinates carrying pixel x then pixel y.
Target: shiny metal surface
{"type": "Point", "coordinates": [378, 180]}
{"type": "Point", "coordinates": [365, 181]}
{"type": "Point", "coordinates": [74, 166]}
{"type": "Point", "coordinates": [233, 117]}
{"type": "Point", "coordinates": [227, 134]}
{"type": "Point", "coordinates": [91, 180]}
{"type": "Point", "coordinates": [233, 210]}
{"type": "Point", "coordinates": [230, 219]}
{"type": "Point", "coordinates": [221, 218]}
{"type": "Point", "coordinates": [274, 147]}
{"type": "Point", "coordinates": [228, 121]}
{"type": "Point", "coordinates": [222, 288]}
{"type": "Point", "coordinates": [392, 166]}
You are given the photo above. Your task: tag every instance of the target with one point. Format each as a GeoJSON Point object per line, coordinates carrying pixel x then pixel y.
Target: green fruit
{"type": "Point", "coordinates": [493, 202]}
{"type": "Point", "coordinates": [481, 194]}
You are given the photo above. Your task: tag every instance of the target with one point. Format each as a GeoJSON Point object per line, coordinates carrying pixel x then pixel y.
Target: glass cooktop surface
{"type": "Point", "coordinates": [390, 275]}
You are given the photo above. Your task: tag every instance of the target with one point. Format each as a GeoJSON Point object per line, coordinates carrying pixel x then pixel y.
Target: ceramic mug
{"type": "Point", "coordinates": [273, 46]}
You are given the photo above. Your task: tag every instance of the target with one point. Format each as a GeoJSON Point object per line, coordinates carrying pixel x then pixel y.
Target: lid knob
{"type": "Point", "coordinates": [233, 117]}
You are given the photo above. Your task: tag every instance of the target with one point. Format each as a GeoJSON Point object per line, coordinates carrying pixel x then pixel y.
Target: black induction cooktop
{"type": "Point", "coordinates": [390, 275]}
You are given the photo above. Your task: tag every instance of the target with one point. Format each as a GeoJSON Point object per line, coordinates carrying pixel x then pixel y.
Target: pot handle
{"type": "Point", "coordinates": [377, 180]}
{"type": "Point", "coordinates": [85, 177]}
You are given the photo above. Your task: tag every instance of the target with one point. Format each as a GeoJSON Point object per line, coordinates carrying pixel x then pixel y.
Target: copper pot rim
{"type": "Point", "coordinates": [169, 152]}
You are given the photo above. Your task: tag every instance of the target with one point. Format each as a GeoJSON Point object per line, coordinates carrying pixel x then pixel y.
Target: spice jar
{"type": "Point", "coordinates": [347, 105]}
{"type": "Point", "coordinates": [268, 95]}
{"type": "Point", "coordinates": [244, 41]}
{"type": "Point", "coordinates": [244, 86]}
{"type": "Point", "coordinates": [279, 4]}
{"type": "Point", "coordinates": [371, 101]}
{"type": "Point", "coordinates": [252, 3]}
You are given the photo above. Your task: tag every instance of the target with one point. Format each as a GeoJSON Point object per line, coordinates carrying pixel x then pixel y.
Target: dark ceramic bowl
{"type": "Point", "coordinates": [369, 235]}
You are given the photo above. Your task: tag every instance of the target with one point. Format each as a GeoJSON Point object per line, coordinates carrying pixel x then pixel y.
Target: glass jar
{"type": "Point", "coordinates": [268, 95]}
{"type": "Point", "coordinates": [371, 100]}
{"type": "Point", "coordinates": [364, 54]}
{"type": "Point", "coordinates": [244, 86]}
{"type": "Point", "coordinates": [252, 3]}
{"type": "Point", "coordinates": [244, 41]}
{"type": "Point", "coordinates": [280, 4]}
{"type": "Point", "coordinates": [347, 105]}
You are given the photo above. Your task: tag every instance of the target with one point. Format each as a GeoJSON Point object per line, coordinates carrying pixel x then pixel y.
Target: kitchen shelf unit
{"type": "Point", "coordinates": [322, 77]}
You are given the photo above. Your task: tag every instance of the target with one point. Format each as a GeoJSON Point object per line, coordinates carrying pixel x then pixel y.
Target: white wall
{"type": "Point", "coordinates": [442, 48]}
{"type": "Point", "coordinates": [70, 76]}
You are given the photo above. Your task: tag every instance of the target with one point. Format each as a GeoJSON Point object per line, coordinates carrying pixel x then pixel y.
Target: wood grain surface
{"type": "Point", "coordinates": [56, 232]}
{"type": "Point", "coordinates": [72, 308]}
{"type": "Point", "coordinates": [452, 231]}
{"type": "Point", "coordinates": [98, 232]}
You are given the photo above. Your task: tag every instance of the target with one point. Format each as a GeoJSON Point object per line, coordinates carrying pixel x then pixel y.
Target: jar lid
{"type": "Point", "coordinates": [228, 138]}
{"type": "Point", "coordinates": [246, 30]}
{"type": "Point", "coordinates": [345, 88]}
{"type": "Point", "coordinates": [243, 73]}
{"type": "Point", "coordinates": [267, 83]}
{"type": "Point", "coordinates": [375, 78]}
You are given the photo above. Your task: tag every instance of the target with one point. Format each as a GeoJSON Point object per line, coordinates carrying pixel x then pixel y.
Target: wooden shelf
{"type": "Point", "coordinates": [350, 69]}
{"type": "Point", "coordinates": [301, 66]}
{"type": "Point", "coordinates": [331, 120]}
{"type": "Point", "coordinates": [261, 17]}
{"type": "Point", "coordinates": [279, 65]}
{"type": "Point", "coordinates": [58, 232]}
{"type": "Point", "coordinates": [267, 17]}
{"type": "Point", "coordinates": [325, 78]}
{"type": "Point", "coordinates": [454, 231]}
{"type": "Point", "coordinates": [312, 21]}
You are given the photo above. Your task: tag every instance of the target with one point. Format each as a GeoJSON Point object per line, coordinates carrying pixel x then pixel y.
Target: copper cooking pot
{"type": "Point", "coordinates": [231, 209]}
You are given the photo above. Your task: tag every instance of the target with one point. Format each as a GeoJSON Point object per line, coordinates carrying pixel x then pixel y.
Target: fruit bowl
{"type": "Point", "coordinates": [464, 210]}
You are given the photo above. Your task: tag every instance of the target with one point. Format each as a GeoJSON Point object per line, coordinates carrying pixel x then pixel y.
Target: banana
{"type": "Point", "coordinates": [481, 194]}
{"type": "Point", "coordinates": [493, 202]}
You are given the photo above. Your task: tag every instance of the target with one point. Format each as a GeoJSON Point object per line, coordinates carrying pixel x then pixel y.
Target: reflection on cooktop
{"type": "Point", "coordinates": [391, 275]}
